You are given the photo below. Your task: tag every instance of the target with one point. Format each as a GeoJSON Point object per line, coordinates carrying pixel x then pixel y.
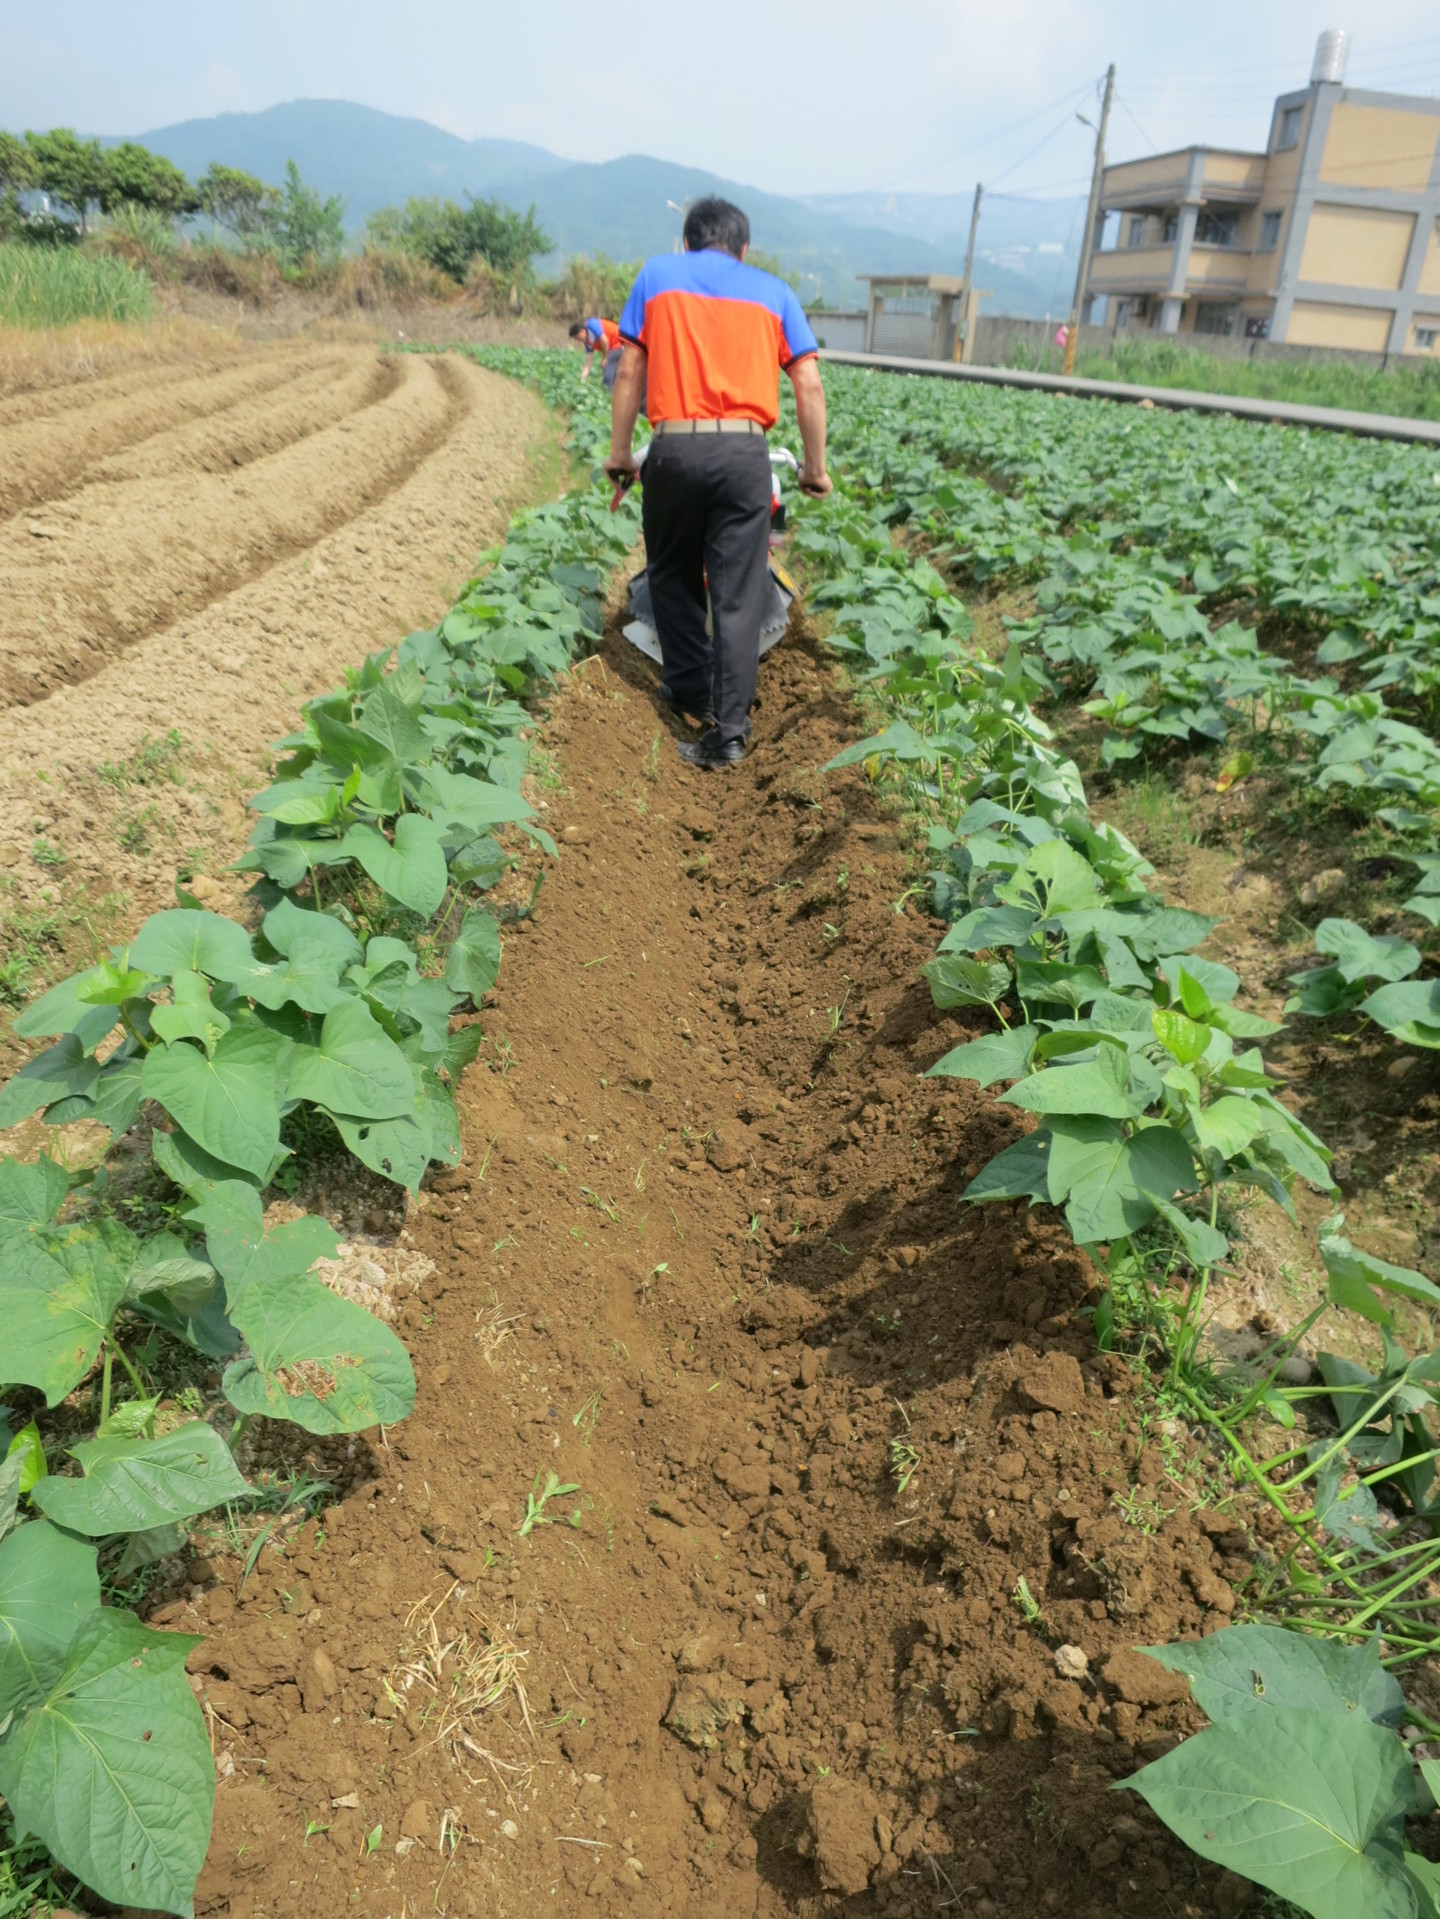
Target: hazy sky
{"type": "Point", "coordinates": [925, 95]}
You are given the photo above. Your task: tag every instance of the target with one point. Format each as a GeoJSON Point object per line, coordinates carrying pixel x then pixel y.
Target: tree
{"type": "Point", "coordinates": [17, 173]}
{"type": "Point", "coordinates": [17, 164]}
{"type": "Point", "coordinates": [135, 176]}
{"type": "Point", "coordinates": [307, 226]}
{"type": "Point", "coordinates": [450, 236]}
{"type": "Point", "coordinates": [72, 171]}
{"type": "Point", "coordinates": [238, 202]}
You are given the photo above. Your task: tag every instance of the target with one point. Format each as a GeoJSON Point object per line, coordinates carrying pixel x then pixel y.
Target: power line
{"type": "Point", "coordinates": [1125, 104]}
{"type": "Point", "coordinates": [988, 140]}
{"type": "Point", "coordinates": [1015, 165]}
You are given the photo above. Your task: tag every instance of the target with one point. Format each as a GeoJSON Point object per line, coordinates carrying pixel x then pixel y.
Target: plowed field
{"type": "Point", "coordinates": [817, 1428]}
{"type": "Point", "coordinates": [191, 550]}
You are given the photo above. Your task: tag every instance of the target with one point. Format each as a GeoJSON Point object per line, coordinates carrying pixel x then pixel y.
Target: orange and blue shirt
{"type": "Point", "coordinates": [716, 333]}
{"type": "Point", "coordinates": [601, 336]}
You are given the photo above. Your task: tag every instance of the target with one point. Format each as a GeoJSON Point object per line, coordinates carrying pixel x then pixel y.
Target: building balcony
{"type": "Point", "coordinates": [1213, 271]}
{"type": "Point", "coordinates": [1164, 179]}
{"type": "Point", "coordinates": [1218, 270]}
{"type": "Point", "coordinates": [1132, 269]}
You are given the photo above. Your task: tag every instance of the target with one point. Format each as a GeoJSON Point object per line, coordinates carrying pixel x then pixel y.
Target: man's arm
{"type": "Point", "coordinates": [810, 410]}
{"type": "Point", "coordinates": [625, 410]}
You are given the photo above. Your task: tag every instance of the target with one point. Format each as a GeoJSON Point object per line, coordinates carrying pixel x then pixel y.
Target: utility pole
{"type": "Point", "coordinates": [962, 332]}
{"type": "Point", "coordinates": [1087, 239]}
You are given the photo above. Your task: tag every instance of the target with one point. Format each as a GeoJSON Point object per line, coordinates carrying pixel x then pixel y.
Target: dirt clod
{"type": "Point", "coordinates": [1140, 1681]}
{"type": "Point", "coordinates": [841, 1820]}
{"type": "Point", "coordinates": [1053, 1384]}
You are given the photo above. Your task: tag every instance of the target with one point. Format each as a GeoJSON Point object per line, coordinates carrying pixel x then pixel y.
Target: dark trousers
{"type": "Point", "coordinates": [707, 516]}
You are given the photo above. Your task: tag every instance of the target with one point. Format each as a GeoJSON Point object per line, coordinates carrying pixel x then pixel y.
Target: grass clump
{"type": "Point", "coordinates": [56, 286]}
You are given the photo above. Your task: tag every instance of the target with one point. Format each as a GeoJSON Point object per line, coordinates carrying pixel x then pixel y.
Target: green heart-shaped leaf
{"type": "Point", "coordinates": [190, 1014]}
{"type": "Point", "coordinates": [48, 1583]}
{"type": "Point", "coordinates": [58, 1293]}
{"type": "Point", "coordinates": [1246, 1669]}
{"type": "Point", "coordinates": [182, 940]}
{"type": "Point", "coordinates": [315, 1360]}
{"type": "Point", "coordinates": [226, 1103]}
{"type": "Point", "coordinates": [113, 1768]}
{"type": "Point", "coordinates": [355, 1068]}
{"type": "Point", "coordinates": [1108, 1180]}
{"type": "Point", "coordinates": [472, 965]}
{"type": "Point", "coordinates": [132, 1485]}
{"type": "Point", "coordinates": [63, 1071]}
{"type": "Point", "coordinates": [412, 871]}
{"type": "Point", "coordinates": [1280, 1799]}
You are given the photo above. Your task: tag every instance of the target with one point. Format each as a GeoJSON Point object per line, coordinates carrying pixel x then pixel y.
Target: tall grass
{"type": "Point", "coordinates": [1410, 390]}
{"type": "Point", "coordinates": [55, 286]}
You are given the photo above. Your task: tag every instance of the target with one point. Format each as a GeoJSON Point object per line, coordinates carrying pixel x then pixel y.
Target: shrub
{"type": "Point", "coordinates": [590, 286]}
{"type": "Point", "coordinates": [451, 237]}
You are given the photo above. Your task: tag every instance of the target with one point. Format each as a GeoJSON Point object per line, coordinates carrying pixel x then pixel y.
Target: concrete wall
{"type": "Point", "coordinates": [1379, 147]}
{"type": "Point", "coordinates": [903, 333]}
{"type": "Point", "coordinates": [1357, 247]}
{"type": "Point", "coordinates": [999, 339]}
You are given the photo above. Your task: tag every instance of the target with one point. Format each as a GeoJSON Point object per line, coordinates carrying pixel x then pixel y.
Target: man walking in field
{"type": "Point", "coordinates": [710, 334]}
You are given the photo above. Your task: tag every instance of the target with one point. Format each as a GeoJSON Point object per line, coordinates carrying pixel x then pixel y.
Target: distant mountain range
{"type": "Point", "coordinates": [621, 207]}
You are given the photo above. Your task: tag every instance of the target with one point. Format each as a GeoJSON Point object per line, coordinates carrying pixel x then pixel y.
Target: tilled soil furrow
{"type": "Point", "coordinates": [49, 403]}
{"type": "Point", "coordinates": [814, 1423]}
{"type": "Point", "coordinates": [89, 576]}
{"type": "Point", "coordinates": [230, 678]}
{"type": "Point", "coordinates": [252, 428]}
{"type": "Point", "coordinates": [43, 459]}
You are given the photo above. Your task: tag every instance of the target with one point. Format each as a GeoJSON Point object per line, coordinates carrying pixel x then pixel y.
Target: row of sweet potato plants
{"type": "Point", "coordinates": [232, 1047]}
{"type": "Point", "coordinates": [1153, 1107]}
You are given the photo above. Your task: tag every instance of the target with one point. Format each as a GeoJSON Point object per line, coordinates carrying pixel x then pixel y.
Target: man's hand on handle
{"type": "Point", "coordinates": [622, 467]}
{"type": "Point", "coordinates": [810, 412]}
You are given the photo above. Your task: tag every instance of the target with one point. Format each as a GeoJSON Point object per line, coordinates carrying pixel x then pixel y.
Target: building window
{"type": "Point", "coordinates": [1270, 230]}
{"type": "Point", "coordinates": [1124, 314]}
{"type": "Point", "coordinates": [1427, 338]}
{"type": "Point", "coordinates": [1172, 226]}
{"type": "Point", "coordinates": [1287, 133]}
{"type": "Point", "coordinates": [1136, 236]}
{"type": "Point", "coordinates": [1215, 316]}
{"type": "Point", "coordinates": [1257, 326]}
{"type": "Point", "coordinates": [1215, 227]}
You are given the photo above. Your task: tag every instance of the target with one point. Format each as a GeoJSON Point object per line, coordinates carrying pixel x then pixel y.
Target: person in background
{"type": "Point", "coordinates": [599, 336]}
{"type": "Point", "coordinates": [711, 335]}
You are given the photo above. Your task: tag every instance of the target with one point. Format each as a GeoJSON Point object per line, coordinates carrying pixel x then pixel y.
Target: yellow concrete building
{"type": "Point", "coordinates": [1329, 238]}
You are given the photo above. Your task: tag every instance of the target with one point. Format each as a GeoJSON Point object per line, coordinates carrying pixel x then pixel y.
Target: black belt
{"type": "Point", "coordinates": [709, 426]}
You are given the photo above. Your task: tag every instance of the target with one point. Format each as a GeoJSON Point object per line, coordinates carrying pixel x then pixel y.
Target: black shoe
{"type": "Point", "coordinates": [710, 752]}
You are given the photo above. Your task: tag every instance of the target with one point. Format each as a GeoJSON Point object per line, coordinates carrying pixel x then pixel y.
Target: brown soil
{"type": "Point", "coordinates": [200, 548]}
{"type": "Point", "coordinates": [706, 1261]}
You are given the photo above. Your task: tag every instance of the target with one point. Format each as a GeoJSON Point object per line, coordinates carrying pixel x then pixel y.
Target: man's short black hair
{"type": "Point", "coordinates": [712, 222]}
{"type": "Point", "coordinates": [577, 329]}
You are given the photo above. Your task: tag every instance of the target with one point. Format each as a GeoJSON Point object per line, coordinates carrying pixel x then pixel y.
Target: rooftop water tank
{"type": "Point", "coordinates": [1332, 50]}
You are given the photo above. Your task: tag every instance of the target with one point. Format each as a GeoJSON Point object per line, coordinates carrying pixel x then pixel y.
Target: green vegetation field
{"type": "Point", "coordinates": [1412, 390]}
